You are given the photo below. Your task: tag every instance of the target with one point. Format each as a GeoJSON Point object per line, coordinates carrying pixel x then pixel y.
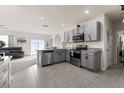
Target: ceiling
{"type": "Point", "coordinates": [28, 18]}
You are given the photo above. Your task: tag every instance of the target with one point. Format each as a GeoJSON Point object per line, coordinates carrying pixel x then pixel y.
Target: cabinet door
{"type": "Point", "coordinates": [90, 64]}
{"type": "Point", "coordinates": [98, 31]}
{"type": "Point", "coordinates": [95, 31]}
{"type": "Point", "coordinates": [65, 37]}
{"type": "Point", "coordinates": [80, 30]}
{"type": "Point", "coordinates": [68, 55]}
{"type": "Point", "coordinates": [56, 57]}
{"type": "Point", "coordinates": [62, 55]}
{"type": "Point", "coordinates": [59, 56]}
{"type": "Point", "coordinates": [84, 58]}
{"type": "Point", "coordinates": [70, 34]}
{"type": "Point", "coordinates": [86, 33]}
{"type": "Point", "coordinates": [75, 32]}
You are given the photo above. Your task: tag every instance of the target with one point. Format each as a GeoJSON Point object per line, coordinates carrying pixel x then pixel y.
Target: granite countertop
{"type": "Point", "coordinates": [43, 49]}
{"type": "Point", "coordinates": [88, 50]}
{"type": "Point", "coordinates": [91, 50]}
{"type": "Point", "coordinates": [48, 49]}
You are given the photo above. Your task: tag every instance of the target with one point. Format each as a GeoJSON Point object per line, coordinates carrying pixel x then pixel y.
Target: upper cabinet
{"type": "Point", "coordinates": [65, 37]}
{"type": "Point", "coordinates": [68, 36]}
{"type": "Point", "coordinates": [75, 32]}
{"type": "Point", "coordinates": [80, 30]}
{"type": "Point", "coordinates": [95, 31]}
{"type": "Point", "coordinates": [92, 32]}
{"type": "Point", "coordinates": [87, 34]}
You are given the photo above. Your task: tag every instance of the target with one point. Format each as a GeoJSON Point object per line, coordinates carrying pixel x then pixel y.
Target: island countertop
{"type": "Point", "coordinates": [88, 50]}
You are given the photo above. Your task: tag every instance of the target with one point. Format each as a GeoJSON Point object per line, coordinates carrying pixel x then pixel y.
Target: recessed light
{"type": "Point", "coordinates": [86, 11]}
{"type": "Point", "coordinates": [63, 24]}
{"type": "Point", "coordinates": [42, 18]}
{"type": "Point", "coordinates": [2, 25]}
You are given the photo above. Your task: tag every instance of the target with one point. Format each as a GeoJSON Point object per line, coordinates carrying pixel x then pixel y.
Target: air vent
{"type": "Point", "coordinates": [45, 25]}
{"type": "Point", "coordinates": [3, 27]}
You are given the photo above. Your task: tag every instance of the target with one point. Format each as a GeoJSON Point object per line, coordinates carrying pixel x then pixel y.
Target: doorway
{"type": "Point", "coordinates": [120, 48]}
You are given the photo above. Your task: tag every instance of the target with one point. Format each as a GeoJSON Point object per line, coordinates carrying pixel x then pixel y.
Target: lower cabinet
{"type": "Point", "coordinates": [91, 60]}
{"type": "Point", "coordinates": [68, 55]}
{"type": "Point", "coordinates": [59, 55]}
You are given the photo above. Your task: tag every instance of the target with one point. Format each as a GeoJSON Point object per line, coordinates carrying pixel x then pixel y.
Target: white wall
{"type": "Point", "coordinates": [28, 36]}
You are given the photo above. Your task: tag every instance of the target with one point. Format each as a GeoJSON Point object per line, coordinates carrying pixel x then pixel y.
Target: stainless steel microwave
{"type": "Point", "coordinates": [78, 38]}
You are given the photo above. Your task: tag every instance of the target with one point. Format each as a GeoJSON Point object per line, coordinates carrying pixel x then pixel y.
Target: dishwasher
{"type": "Point", "coordinates": [47, 57]}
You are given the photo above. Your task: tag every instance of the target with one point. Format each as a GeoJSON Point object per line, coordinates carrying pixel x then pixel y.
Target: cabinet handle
{"type": "Point", "coordinates": [86, 57]}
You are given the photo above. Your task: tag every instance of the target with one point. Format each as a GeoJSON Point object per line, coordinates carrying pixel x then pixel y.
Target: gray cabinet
{"type": "Point", "coordinates": [68, 55]}
{"type": "Point", "coordinates": [68, 36]}
{"type": "Point", "coordinates": [95, 31]}
{"type": "Point", "coordinates": [87, 33]}
{"type": "Point", "coordinates": [92, 32]}
{"type": "Point", "coordinates": [75, 32]}
{"type": "Point", "coordinates": [80, 30]}
{"type": "Point", "coordinates": [91, 60]}
{"type": "Point", "coordinates": [84, 59]}
{"type": "Point", "coordinates": [59, 55]}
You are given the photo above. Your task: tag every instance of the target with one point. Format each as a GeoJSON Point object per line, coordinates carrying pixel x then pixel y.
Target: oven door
{"type": "Point", "coordinates": [75, 58]}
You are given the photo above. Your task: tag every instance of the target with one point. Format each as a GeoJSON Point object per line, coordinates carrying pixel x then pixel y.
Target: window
{"type": "Point", "coordinates": [4, 38]}
{"type": "Point", "coordinates": [36, 44]}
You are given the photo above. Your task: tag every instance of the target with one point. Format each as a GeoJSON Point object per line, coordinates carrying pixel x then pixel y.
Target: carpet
{"type": "Point", "coordinates": [21, 64]}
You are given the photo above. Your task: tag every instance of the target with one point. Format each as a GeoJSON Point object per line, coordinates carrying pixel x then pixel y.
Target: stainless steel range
{"type": "Point", "coordinates": [75, 55]}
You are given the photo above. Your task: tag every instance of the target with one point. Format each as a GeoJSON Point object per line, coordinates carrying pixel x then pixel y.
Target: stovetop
{"type": "Point", "coordinates": [76, 49]}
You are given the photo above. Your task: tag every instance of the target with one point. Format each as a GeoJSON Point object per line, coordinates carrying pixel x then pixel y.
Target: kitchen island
{"type": "Point", "coordinates": [50, 56]}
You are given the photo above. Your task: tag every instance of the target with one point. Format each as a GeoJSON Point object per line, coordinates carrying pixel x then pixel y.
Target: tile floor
{"type": "Point", "coordinates": [65, 75]}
